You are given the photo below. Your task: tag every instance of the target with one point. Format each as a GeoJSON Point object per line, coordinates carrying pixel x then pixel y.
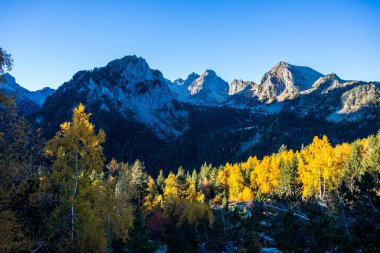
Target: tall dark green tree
{"type": "Point", "coordinates": [161, 181]}
{"type": "Point", "coordinates": [138, 183]}
{"type": "Point", "coordinates": [182, 183]}
{"type": "Point", "coordinates": [194, 177]}
{"type": "Point", "coordinates": [138, 241]}
{"type": "Point", "coordinates": [372, 161]}
{"type": "Point", "coordinates": [287, 183]}
{"type": "Point", "coordinates": [353, 167]}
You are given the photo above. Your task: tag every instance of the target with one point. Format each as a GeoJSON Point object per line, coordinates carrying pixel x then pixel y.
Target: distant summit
{"type": "Point", "coordinates": [27, 101]}
{"type": "Point", "coordinates": [205, 89]}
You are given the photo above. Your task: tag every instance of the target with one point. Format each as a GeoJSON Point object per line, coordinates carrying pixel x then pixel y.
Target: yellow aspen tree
{"type": "Point", "coordinates": [77, 155]}
{"type": "Point", "coordinates": [262, 171]}
{"type": "Point", "coordinates": [152, 197]}
{"type": "Point", "coordinates": [171, 188]}
{"type": "Point", "coordinates": [235, 181]}
{"type": "Point", "coordinates": [246, 195]}
{"type": "Point", "coordinates": [316, 168]}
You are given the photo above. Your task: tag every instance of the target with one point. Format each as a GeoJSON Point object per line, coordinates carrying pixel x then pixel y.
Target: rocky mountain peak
{"type": "Point", "coordinates": [328, 81]}
{"type": "Point", "coordinates": [132, 68]}
{"type": "Point", "coordinates": [190, 78]}
{"type": "Point", "coordinates": [285, 81]}
{"type": "Point", "coordinates": [209, 82]}
{"type": "Point", "coordinates": [238, 85]}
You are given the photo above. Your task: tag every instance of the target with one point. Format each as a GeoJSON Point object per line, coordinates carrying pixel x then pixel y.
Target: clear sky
{"type": "Point", "coordinates": [51, 40]}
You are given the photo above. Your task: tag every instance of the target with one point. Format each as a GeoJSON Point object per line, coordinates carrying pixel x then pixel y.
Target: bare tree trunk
{"type": "Point", "coordinates": [320, 185]}
{"type": "Point", "coordinates": [73, 196]}
{"type": "Point", "coordinates": [324, 188]}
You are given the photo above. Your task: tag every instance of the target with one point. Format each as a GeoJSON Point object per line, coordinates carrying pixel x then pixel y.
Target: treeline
{"type": "Point", "coordinates": [60, 195]}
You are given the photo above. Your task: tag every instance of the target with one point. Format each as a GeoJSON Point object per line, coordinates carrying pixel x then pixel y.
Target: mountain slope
{"type": "Point", "coordinates": [166, 124]}
{"type": "Point", "coordinates": [127, 87]}
{"type": "Point", "coordinates": [27, 101]}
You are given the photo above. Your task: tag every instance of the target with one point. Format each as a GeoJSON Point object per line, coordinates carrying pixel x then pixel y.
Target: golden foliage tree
{"type": "Point", "coordinates": [78, 159]}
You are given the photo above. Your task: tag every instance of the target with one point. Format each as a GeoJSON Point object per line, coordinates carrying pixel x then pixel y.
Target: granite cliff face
{"type": "Point", "coordinates": [285, 81]}
{"type": "Point", "coordinates": [239, 85]}
{"type": "Point", "coordinates": [126, 87]}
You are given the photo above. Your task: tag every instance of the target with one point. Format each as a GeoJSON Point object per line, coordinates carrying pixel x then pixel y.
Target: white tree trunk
{"type": "Point", "coordinates": [73, 195]}
{"type": "Point", "coordinates": [320, 184]}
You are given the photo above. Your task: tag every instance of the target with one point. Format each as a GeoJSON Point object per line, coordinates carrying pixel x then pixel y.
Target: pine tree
{"type": "Point", "coordinates": [161, 181]}
{"type": "Point", "coordinates": [182, 183]}
{"type": "Point", "coordinates": [353, 167]}
{"type": "Point", "coordinates": [372, 160]}
{"type": "Point", "coordinates": [194, 177]}
{"type": "Point", "coordinates": [287, 178]}
{"type": "Point", "coordinates": [138, 183]}
{"type": "Point", "coordinates": [138, 238]}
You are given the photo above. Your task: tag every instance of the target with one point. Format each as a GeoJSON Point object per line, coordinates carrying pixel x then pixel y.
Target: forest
{"type": "Point", "coordinates": [63, 195]}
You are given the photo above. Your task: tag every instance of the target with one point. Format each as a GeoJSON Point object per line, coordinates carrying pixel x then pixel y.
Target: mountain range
{"type": "Point", "coordinates": [202, 117]}
{"type": "Point", "coordinates": [27, 101]}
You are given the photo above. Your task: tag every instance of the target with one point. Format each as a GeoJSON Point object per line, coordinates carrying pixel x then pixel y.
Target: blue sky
{"type": "Point", "coordinates": [51, 40]}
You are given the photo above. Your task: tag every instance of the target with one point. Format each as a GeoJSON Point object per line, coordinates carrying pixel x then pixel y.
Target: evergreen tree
{"type": "Point", "coordinates": [182, 183]}
{"type": "Point", "coordinates": [194, 177]}
{"type": "Point", "coordinates": [372, 161]}
{"type": "Point", "coordinates": [138, 241]}
{"type": "Point", "coordinates": [353, 167]}
{"type": "Point", "coordinates": [118, 202]}
{"type": "Point", "coordinates": [287, 178]}
{"type": "Point", "coordinates": [138, 183]}
{"type": "Point", "coordinates": [161, 181]}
